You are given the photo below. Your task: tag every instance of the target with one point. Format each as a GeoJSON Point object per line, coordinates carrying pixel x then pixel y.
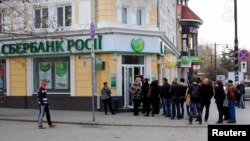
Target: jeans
{"type": "Point", "coordinates": [167, 107]}
{"type": "Point", "coordinates": [231, 108]}
{"type": "Point", "coordinates": [44, 110]}
{"type": "Point", "coordinates": [242, 102]}
{"type": "Point", "coordinates": [192, 106]}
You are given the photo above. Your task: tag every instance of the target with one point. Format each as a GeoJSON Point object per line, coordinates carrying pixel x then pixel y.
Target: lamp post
{"type": "Point", "coordinates": [92, 36]}
{"type": "Point", "coordinates": [215, 58]}
{"type": "Point", "coordinates": [236, 49]}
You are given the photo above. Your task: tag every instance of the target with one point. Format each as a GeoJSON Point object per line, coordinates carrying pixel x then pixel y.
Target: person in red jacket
{"type": "Point", "coordinates": [43, 106]}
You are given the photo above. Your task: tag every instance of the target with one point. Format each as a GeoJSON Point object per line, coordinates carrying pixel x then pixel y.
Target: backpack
{"type": "Point", "coordinates": [195, 91]}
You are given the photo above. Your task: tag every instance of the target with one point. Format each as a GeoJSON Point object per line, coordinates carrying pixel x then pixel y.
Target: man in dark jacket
{"type": "Point", "coordinates": [240, 95]}
{"type": "Point", "coordinates": [166, 97]}
{"type": "Point", "coordinates": [182, 91]}
{"type": "Point", "coordinates": [206, 95]}
{"type": "Point", "coordinates": [175, 92]}
{"type": "Point", "coordinates": [43, 106]}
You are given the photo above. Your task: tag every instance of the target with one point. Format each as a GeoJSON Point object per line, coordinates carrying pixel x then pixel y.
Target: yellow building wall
{"type": "Point", "coordinates": [18, 77]}
{"type": "Point", "coordinates": [83, 74]}
{"type": "Point", "coordinates": [153, 15]}
{"type": "Point", "coordinates": [154, 67]}
{"type": "Point", "coordinates": [77, 11]}
{"type": "Point", "coordinates": [106, 10]}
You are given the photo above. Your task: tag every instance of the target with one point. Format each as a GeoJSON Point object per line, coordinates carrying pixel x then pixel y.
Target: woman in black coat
{"type": "Point", "coordinates": [219, 99]}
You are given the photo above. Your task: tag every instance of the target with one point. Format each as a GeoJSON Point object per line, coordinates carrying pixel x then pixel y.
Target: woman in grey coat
{"type": "Point", "coordinates": [106, 98]}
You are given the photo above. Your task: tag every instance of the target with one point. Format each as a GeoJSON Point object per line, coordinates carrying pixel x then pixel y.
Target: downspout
{"type": "Point", "coordinates": [94, 14]}
{"type": "Point", "coordinates": [158, 14]}
{"type": "Point", "coordinates": [158, 56]}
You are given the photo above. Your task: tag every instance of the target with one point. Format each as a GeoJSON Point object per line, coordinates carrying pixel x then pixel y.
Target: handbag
{"type": "Point", "coordinates": [225, 102]}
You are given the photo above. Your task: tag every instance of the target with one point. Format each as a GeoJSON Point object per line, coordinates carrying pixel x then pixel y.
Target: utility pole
{"type": "Point", "coordinates": [236, 49]}
{"type": "Point", "coordinates": [215, 58]}
{"type": "Point", "coordinates": [92, 35]}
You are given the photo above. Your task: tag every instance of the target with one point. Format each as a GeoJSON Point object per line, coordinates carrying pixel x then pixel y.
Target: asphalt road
{"type": "Point", "coordinates": [28, 131]}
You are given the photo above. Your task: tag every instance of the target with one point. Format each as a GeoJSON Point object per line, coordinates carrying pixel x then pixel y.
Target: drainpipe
{"type": "Point", "coordinates": [94, 14]}
{"type": "Point", "coordinates": [158, 14]}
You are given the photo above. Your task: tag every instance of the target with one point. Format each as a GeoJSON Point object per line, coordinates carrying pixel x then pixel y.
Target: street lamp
{"type": "Point", "coordinates": [215, 58]}
{"type": "Point", "coordinates": [236, 62]}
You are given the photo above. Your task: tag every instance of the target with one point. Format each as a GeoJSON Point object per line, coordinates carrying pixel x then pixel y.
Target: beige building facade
{"type": "Point", "coordinates": [49, 40]}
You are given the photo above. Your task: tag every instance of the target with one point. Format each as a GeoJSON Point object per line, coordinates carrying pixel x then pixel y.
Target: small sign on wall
{"type": "Point", "coordinates": [113, 80]}
{"type": "Point", "coordinates": [243, 65]}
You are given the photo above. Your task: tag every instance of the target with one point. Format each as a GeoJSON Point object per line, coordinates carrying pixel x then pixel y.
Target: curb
{"type": "Point", "coordinates": [108, 124]}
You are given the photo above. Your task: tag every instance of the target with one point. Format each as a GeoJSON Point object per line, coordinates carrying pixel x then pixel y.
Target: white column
{"type": "Point", "coordinates": [72, 76]}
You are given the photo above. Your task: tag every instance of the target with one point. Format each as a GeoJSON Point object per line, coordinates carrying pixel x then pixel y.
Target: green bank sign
{"type": "Point", "coordinates": [50, 47]}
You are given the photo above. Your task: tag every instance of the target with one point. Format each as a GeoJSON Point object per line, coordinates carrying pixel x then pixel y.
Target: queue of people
{"type": "Point", "coordinates": [196, 94]}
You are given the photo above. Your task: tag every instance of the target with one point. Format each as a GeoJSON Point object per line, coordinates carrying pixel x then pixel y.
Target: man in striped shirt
{"type": "Point", "coordinates": [43, 106]}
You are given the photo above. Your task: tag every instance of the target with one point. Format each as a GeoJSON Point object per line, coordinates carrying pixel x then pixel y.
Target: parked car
{"type": "Point", "coordinates": [247, 88]}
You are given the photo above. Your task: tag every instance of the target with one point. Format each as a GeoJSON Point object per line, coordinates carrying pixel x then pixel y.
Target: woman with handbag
{"type": "Point", "coordinates": [106, 98]}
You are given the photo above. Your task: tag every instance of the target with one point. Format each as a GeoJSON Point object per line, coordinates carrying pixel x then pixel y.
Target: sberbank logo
{"type": "Point", "coordinates": [137, 44]}
{"type": "Point", "coordinates": [185, 60]}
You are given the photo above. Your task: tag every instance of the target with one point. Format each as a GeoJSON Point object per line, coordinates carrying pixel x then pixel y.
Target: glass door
{"type": "Point", "coordinates": [128, 76]}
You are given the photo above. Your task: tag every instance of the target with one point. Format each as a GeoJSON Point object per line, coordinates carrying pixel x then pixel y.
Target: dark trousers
{"type": "Point", "coordinates": [207, 105]}
{"type": "Point", "coordinates": [137, 103]}
{"type": "Point", "coordinates": [44, 110]}
{"type": "Point", "coordinates": [181, 102]}
{"type": "Point", "coordinates": [144, 106]}
{"type": "Point", "coordinates": [149, 102]}
{"type": "Point", "coordinates": [156, 105]}
{"type": "Point", "coordinates": [220, 110]}
{"type": "Point", "coordinates": [105, 103]}
{"type": "Point", "coordinates": [226, 113]}
{"type": "Point", "coordinates": [176, 108]}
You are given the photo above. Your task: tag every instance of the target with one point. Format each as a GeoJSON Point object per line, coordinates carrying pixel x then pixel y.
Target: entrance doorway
{"type": "Point", "coordinates": [129, 71]}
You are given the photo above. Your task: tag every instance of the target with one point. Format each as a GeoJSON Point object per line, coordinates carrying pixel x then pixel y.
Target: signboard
{"type": "Point", "coordinates": [185, 62]}
{"type": "Point", "coordinates": [170, 61]}
{"type": "Point", "coordinates": [61, 74]}
{"type": "Point", "coordinates": [45, 73]}
{"type": "Point", "coordinates": [243, 65]}
{"type": "Point", "coordinates": [196, 67]}
{"type": "Point", "coordinates": [113, 80]}
{"type": "Point", "coordinates": [222, 78]}
{"type": "Point", "coordinates": [243, 55]}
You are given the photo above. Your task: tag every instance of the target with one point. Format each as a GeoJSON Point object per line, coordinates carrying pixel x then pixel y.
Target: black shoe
{"type": "Point", "coordinates": [172, 118]}
{"type": "Point", "coordinates": [146, 115]}
{"type": "Point", "coordinates": [197, 119]}
{"type": "Point", "coordinates": [113, 113]}
{"type": "Point", "coordinates": [219, 121]}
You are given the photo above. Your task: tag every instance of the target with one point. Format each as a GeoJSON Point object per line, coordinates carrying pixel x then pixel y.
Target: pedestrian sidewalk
{"type": "Point", "coordinates": [120, 119]}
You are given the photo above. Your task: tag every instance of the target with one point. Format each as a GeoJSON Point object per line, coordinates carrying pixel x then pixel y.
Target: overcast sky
{"type": "Point", "coordinates": [218, 21]}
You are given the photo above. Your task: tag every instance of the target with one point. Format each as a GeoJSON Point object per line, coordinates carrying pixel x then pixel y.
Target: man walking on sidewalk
{"type": "Point", "coordinates": [43, 106]}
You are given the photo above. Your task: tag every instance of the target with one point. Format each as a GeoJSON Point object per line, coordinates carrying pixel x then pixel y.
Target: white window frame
{"type": "Point", "coordinates": [41, 26]}
{"type": "Point", "coordinates": [64, 14]}
{"type": "Point", "coordinates": [139, 19]}
{"type": "Point", "coordinates": [122, 16]}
